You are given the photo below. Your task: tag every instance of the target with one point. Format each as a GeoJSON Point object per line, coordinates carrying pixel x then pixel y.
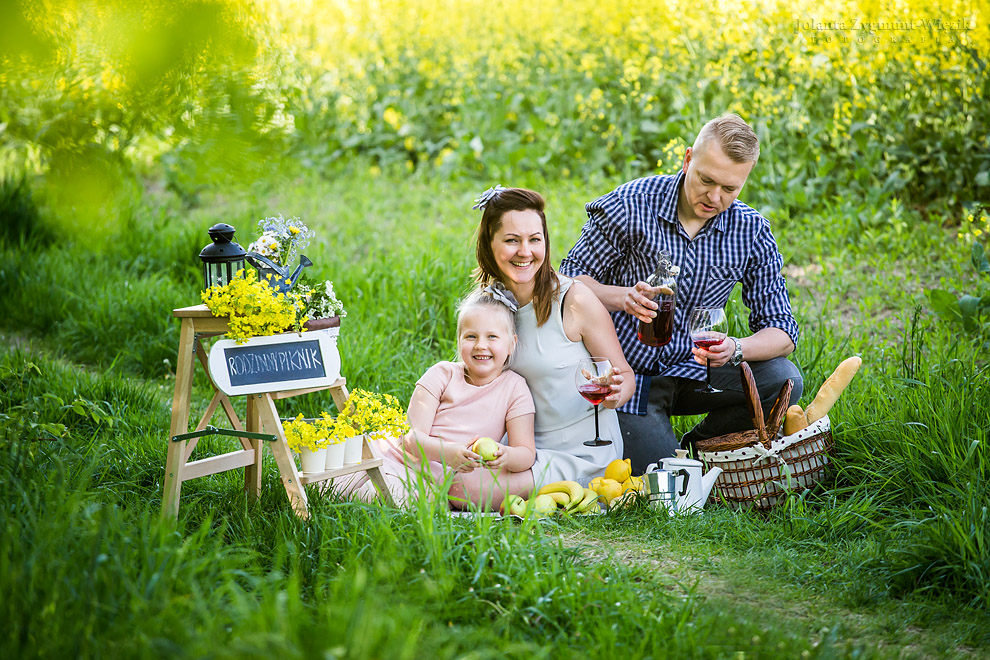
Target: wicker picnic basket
{"type": "Point", "coordinates": [760, 465]}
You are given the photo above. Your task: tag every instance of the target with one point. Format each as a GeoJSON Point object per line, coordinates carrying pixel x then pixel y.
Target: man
{"type": "Point", "coordinates": [716, 241]}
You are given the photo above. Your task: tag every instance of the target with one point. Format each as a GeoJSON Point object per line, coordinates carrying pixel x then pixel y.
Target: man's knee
{"type": "Point", "coordinates": [771, 375]}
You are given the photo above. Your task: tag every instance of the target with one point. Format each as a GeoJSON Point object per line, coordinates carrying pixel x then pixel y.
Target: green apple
{"type": "Point", "coordinates": [486, 448]}
{"type": "Point", "coordinates": [544, 505]}
{"type": "Point", "coordinates": [515, 505]}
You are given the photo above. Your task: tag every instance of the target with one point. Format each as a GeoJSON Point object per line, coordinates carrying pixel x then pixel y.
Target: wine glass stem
{"type": "Point", "coordinates": [597, 436]}
{"type": "Point", "coordinates": [708, 372]}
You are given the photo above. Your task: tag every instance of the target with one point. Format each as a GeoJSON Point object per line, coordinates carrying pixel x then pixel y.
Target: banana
{"type": "Point", "coordinates": [574, 490]}
{"type": "Point", "coordinates": [562, 499]}
{"type": "Point", "coordinates": [588, 502]}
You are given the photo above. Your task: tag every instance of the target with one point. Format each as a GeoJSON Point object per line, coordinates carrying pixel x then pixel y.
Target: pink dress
{"type": "Point", "coordinates": [465, 411]}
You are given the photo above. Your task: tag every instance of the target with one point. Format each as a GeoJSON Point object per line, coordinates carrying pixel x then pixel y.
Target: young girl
{"type": "Point", "coordinates": [455, 403]}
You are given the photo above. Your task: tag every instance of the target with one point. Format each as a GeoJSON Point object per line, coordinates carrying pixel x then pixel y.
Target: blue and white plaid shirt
{"type": "Point", "coordinates": [621, 242]}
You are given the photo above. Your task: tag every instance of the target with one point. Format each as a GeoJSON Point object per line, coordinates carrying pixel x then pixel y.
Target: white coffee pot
{"type": "Point", "coordinates": [692, 488]}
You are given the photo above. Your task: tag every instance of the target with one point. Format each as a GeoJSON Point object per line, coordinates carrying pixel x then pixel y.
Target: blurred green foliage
{"type": "Point", "coordinates": [214, 91]}
{"type": "Point", "coordinates": [971, 311]}
{"type": "Point", "coordinates": [94, 90]}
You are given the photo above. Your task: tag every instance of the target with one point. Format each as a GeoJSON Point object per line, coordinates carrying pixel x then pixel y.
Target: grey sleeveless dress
{"type": "Point", "coordinates": [547, 359]}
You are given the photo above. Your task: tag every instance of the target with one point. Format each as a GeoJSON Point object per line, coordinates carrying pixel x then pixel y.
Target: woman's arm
{"type": "Point", "coordinates": [587, 320]}
{"type": "Point", "coordinates": [419, 444]}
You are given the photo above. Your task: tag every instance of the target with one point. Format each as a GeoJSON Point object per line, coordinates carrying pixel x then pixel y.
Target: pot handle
{"type": "Point", "coordinates": [253, 257]}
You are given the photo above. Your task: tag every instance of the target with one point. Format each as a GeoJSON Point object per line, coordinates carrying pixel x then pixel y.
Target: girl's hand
{"type": "Point", "coordinates": [460, 459]}
{"type": "Point", "coordinates": [501, 457]}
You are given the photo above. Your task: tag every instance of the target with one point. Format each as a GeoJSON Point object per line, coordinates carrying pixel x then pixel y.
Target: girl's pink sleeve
{"type": "Point", "coordinates": [435, 379]}
{"type": "Point", "coordinates": [520, 399]}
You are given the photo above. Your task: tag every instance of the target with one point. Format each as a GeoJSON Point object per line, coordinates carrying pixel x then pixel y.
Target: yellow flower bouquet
{"type": "Point", "coordinates": [374, 414]}
{"type": "Point", "coordinates": [253, 307]}
{"type": "Point", "coordinates": [303, 435]}
{"type": "Point", "coordinates": [366, 413]}
{"type": "Point", "coordinates": [335, 429]}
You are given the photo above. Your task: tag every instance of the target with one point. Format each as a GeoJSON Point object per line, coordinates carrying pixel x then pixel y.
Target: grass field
{"type": "Point", "coordinates": [874, 180]}
{"type": "Point", "coordinates": [887, 561]}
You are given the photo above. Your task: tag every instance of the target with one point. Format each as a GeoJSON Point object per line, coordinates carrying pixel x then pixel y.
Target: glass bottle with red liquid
{"type": "Point", "coordinates": [661, 329]}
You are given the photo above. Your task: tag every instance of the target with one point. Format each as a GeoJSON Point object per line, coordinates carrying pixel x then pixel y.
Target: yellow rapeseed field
{"type": "Point", "coordinates": [890, 92]}
{"type": "Point", "coordinates": [572, 84]}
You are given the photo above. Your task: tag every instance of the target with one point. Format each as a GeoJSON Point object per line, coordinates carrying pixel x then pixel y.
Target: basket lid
{"type": "Point", "coordinates": [766, 429]}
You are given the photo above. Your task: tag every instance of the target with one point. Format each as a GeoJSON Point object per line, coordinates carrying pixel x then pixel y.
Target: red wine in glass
{"type": "Point", "coordinates": [708, 342]}
{"type": "Point", "coordinates": [593, 379]}
{"type": "Point", "coordinates": [595, 394]}
{"type": "Point", "coordinates": [707, 328]}
{"type": "Point", "coordinates": [658, 332]}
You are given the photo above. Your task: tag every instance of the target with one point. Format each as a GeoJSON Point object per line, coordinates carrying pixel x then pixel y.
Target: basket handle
{"type": "Point", "coordinates": [776, 415]}
{"type": "Point", "coordinates": [753, 400]}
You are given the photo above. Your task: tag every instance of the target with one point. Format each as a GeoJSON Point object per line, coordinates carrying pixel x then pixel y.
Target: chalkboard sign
{"type": "Point", "coordinates": [281, 362]}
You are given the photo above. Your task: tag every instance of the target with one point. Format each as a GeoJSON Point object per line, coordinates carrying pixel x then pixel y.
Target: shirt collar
{"type": "Point", "coordinates": [670, 191]}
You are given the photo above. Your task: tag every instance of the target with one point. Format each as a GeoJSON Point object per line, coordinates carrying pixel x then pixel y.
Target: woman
{"type": "Point", "coordinates": [558, 321]}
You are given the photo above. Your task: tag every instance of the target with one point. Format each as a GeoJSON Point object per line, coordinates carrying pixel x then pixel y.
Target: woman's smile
{"type": "Point", "coordinates": [519, 248]}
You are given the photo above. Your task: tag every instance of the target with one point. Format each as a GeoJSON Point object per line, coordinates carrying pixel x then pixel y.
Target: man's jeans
{"type": "Point", "coordinates": [650, 437]}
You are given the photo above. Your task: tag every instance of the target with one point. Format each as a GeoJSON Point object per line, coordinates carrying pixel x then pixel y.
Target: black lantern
{"type": "Point", "coordinates": [222, 258]}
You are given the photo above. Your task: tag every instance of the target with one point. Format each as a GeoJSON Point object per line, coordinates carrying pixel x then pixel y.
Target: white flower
{"type": "Point", "coordinates": [281, 239]}
{"type": "Point", "coordinates": [321, 302]}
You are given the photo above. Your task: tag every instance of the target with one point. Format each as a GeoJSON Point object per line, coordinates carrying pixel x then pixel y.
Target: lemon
{"type": "Point", "coordinates": [595, 483]}
{"type": "Point", "coordinates": [608, 490]}
{"type": "Point", "coordinates": [626, 499]}
{"type": "Point", "coordinates": [619, 469]}
{"type": "Point", "coordinates": [630, 484]}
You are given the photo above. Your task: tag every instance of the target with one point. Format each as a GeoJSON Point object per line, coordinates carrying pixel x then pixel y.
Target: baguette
{"type": "Point", "coordinates": [832, 388]}
{"type": "Point", "coordinates": [795, 420]}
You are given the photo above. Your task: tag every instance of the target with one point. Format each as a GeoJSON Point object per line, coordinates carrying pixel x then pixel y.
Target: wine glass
{"type": "Point", "coordinates": [593, 379]}
{"type": "Point", "coordinates": [707, 328]}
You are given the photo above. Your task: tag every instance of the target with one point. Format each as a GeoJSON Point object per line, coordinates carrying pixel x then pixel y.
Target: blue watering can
{"type": "Point", "coordinates": [278, 276]}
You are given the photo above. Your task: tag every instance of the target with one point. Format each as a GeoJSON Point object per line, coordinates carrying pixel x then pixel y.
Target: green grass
{"type": "Point", "coordinates": [888, 559]}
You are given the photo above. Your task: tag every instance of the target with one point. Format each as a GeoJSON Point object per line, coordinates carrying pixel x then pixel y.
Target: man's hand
{"type": "Point", "coordinates": [639, 302]}
{"type": "Point", "coordinates": [719, 354]}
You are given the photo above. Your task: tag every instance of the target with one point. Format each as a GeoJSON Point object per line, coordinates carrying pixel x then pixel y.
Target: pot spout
{"type": "Point", "coordinates": [708, 481]}
{"type": "Point", "coordinates": [303, 263]}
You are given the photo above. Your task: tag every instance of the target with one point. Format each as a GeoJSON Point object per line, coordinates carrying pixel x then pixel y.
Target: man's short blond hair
{"type": "Point", "coordinates": [735, 137]}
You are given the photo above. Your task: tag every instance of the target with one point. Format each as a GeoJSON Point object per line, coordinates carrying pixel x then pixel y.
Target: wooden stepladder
{"type": "Point", "coordinates": [261, 424]}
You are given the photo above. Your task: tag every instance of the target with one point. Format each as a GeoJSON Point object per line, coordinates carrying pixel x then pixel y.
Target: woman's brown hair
{"type": "Point", "coordinates": [546, 287]}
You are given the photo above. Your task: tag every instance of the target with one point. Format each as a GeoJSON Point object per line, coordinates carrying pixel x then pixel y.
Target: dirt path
{"type": "Point", "coordinates": [739, 585]}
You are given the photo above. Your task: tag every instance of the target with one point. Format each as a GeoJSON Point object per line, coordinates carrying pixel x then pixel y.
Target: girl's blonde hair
{"type": "Point", "coordinates": [483, 300]}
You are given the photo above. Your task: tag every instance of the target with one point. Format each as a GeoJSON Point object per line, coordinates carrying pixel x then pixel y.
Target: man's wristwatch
{"type": "Point", "coordinates": [736, 358]}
